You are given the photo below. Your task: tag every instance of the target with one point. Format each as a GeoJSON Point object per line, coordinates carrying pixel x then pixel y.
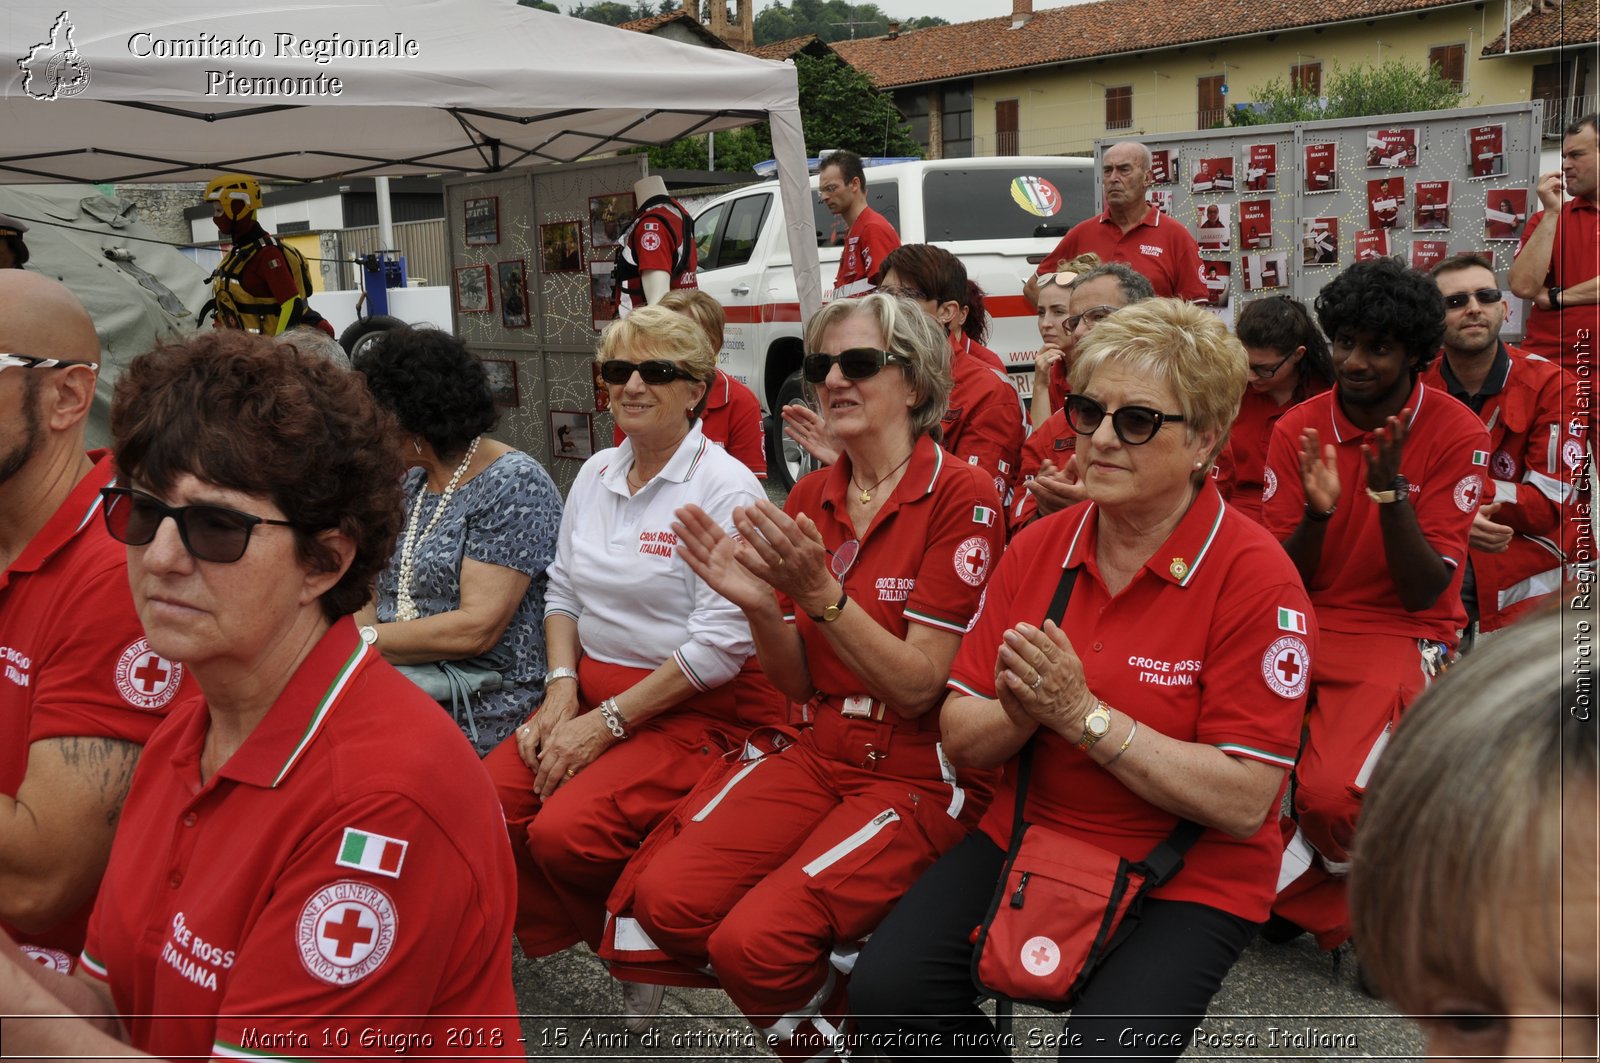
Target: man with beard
{"type": "Point", "coordinates": [1372, 488]}
{"type": "Point", "coordinates": [1519, 535]}
{"type": "Point", "coordinates": [80, 688]}
{"type": "Point", "coordinates": [262, 285]}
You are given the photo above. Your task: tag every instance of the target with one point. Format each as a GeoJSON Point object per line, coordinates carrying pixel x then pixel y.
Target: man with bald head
{"type": "Point", "coordinates": [80, 688]}
{"type": "Point", "coordinates": [1131, 230]}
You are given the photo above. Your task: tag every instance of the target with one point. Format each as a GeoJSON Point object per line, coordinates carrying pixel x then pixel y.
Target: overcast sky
{"type": "Point", "coordinates": [949, 10]}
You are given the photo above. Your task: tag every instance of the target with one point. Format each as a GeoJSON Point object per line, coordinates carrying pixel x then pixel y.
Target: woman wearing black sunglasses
{"type": "Point", "coordinates": [857, 595]}
{"type": "Point", "coordinates": [1289, 363]}
{"type": "Point", "coordinates": [309, 838]}
{"type": "Point", "coordinates": [652, 672]}
{"type": "Point", "coordinates": [1172, 690]}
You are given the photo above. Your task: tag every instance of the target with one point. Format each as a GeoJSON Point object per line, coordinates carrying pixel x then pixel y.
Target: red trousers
{"type": "Point", "coordinates": [1360, 684]}
{"type": "Point", "coordinates": [771, 867]}
{"type": "Point", "coordinates": [570, 849]}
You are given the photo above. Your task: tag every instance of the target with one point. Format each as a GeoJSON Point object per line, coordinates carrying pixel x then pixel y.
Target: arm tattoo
{"type": "Point", "coordinates": [105, 763]}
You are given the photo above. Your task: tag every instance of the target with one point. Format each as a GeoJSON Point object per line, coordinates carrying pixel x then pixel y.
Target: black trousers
{"type": "Point", "coordinates": [912, 994]}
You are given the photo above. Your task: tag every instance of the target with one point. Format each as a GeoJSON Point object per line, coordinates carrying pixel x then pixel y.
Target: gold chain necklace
{"type": "Point", "coordinates": [866, 492]}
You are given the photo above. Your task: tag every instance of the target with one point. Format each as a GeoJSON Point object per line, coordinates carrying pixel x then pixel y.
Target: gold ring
{"type": "Point", "coordinates": [571, 773]}
{"type": "Point", "coordinates": [778, 562]}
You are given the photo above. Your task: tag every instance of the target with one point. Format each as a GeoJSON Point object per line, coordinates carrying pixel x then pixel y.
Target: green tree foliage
{"type": "Point", "coordinates": [831, 20]}
{"type": "Point", "coordinates": [541, 5]}
{"type": "Point", "coordinates": [613, 13]}
{"type": "Point", "coordinates": [1394, 86]}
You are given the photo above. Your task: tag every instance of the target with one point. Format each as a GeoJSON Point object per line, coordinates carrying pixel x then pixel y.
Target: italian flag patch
{"type": "Point", "coordinates": [983, 515]}
{"type": "Point", "coordinates": [1289, 620]}
{"type": "Point", "coordinates": [371, 852]}
{"type": "Point", "coordinates": [1480, 457]}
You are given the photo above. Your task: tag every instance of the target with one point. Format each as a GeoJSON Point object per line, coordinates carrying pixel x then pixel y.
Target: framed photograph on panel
{"type": "Point", "coordinates": [560, 247]}
{"type": "Point", "coordinates": [609, 217]}
{"type": "Point", "coordinates": [514, 294]}
{"type": "Point", "coordinates": [502, 381]}
{"type": "Point", "coordinates": [481, 221]}
{"type": "Point", "coordinates": [473, 294]}
{"type": "Point", "coordinates": [605, 295]}
{"type": "Point", "coordinates": [571, 434]}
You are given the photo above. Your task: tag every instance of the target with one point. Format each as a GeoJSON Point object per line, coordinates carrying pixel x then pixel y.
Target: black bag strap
{"type": "Point", "coordinates": [1162, 862]}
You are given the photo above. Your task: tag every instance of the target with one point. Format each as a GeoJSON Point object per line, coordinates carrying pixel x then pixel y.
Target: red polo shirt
{"type": "Point", "coordinates": [347, 870]}
{"type": "Point", "coordinates": [73, 659]}
{"type": "Point", "coordinates": [979, 351]}
{"type": "Point", "coordinates": [983, 424]}
{"type": "Point", "coordinates": [867, 244]}
{"type": "Point", "coordinates": [1248, 439]}
{"type": "Point", "coordinates": [925, 557]}
{"type": "Point", "coordinates": [1444, 458]}
{"type": "Point", "coordinates": [1158, 247]}
{"type": "Point", "coordinates": [654, 242]}
{"type": "Point", "coordinates": [1210, 643]}
{"type": "Point", "coordinates": [1568, 336]}
{"type": "Point", "coordinates": [732, 420]}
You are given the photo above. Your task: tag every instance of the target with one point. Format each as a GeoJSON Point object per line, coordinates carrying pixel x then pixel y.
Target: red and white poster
{"type": "Point", "coordinates": [1217, 276]}
{"type": "Point", "coordinates": [1425, 254]}
{"type": "Point", "coordinates": [1486, 150]}
{"type": "Point", "coordinates": [1322, 168]}
{"type": "Point", "coordinates": [1390, 148]}
{"type": "Point", "coordinates": [1386, 203]}
{"type": "Point", "coordinates": [1266, 271]}
{"type": "Point", "coordinates": [1433, 206]}
{"type": "Point", "coordinates": [1261, 168]}
{"type": "Point", "coordinates": [1163, 167]}
{"type": "Point", "coordinates": [1213, 175]}
{"type": "Point", "coordinates": [1505, 211]}
{"type": "Point", "coordinates": [1372, 243]}
{"type": "Point", "coordinates": [1213, 227]}
{"type": "Point", "coordinates": [1320, 242]}
{"type": "Point", "coordinates": [1255, 224]}
{"type": "Point", "coordinates": [1161, 199]}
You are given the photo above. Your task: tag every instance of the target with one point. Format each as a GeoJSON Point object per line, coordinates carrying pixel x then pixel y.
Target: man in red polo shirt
{"type": "Point", "coordinates": [1558, 262]}
{"type": "Point", "coordinates": [80, 688]}
{"type": "Point", "coordinates": [1372, 488]}
{"type": "Point", "coordinates": [842, 183]}
{"type": "Point", "coordinates": [1131, 231]}
{"type": "Point", "coordinates": [1522, 532]}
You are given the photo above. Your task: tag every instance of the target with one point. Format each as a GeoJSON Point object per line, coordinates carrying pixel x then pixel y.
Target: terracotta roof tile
{"type": "Point", "coordinates": [781, 50]}
{"type": "Point", "coordinates": [1087, 31]}
{"type": "Point", "coordinates": [1551, 25]}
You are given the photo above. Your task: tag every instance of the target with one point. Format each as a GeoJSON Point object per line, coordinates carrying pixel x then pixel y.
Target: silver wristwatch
{"type": "Point", "coordinates": [559, 673]}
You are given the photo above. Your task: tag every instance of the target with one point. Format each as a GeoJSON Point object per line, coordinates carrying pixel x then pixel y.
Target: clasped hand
{"type": "Point", "coordinates": [773, 551]}
{"type": "Point", "coordinates": [1039, 680]}
{"type": "Point", "coordinates": [1319, 465]}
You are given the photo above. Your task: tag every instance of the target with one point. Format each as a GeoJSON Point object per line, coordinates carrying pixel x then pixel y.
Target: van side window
{"type": "Point", "coordinates": [883, 197]}
{"type": "Point", "coordinates": [738, 240]}
{"type": "Point", "coordinates": [983, 204]}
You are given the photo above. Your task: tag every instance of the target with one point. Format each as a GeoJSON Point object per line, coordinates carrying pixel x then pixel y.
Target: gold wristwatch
{"type": "Point", "coordinates": [1095, 725]}
{"type": "Point", "coordinates": [831, 613]}
{"type": "Point", "coordinates": [1399, 491]}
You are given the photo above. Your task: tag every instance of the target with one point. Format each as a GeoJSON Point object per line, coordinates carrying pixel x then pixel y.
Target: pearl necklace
{"type": "Point", "coordinates": [404, 607]}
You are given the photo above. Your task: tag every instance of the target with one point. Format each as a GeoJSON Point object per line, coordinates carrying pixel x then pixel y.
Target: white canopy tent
{"type": "Point", "coordinates": [177, 90]}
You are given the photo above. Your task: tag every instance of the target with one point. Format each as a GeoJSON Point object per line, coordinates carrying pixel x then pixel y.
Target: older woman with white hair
{"type": "Point", "coordinates": [1147, 653]}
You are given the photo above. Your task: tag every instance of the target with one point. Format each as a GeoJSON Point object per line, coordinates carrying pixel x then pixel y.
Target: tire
{"type": "Point", "coordinates": [366, 330]}
{"type": "Point", "coordinates": [786, 461]}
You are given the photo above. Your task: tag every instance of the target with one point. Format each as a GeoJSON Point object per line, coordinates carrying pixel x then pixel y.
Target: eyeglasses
{"type": "Point", "coordinates": [840, 560]}
{"type": "Point", "coordinates": [914, 294]}
{"type": "Point", "coordinates": [1261, 372]}
{"type": "Point", "coordinates": [1133, 425]}
{"type": "Point", "coordinates": [1063, 279]}
{"type": "Point", "coordinates": [858, 363]}
{"type": "Point", "coordinates": [1485, 297]}
{"type": "Point", "coordinates": [1094, 315]}
{"type": "Point", "coordinates": [655, 371]}
{"type": "Point", "coordinates": [27, 361]}
{"type": "Point", "coordinates": [210, 533]}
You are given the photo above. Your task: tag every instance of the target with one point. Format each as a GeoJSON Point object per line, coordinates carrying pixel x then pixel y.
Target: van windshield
{"type": "Point", "coordinates": [1027, 201]}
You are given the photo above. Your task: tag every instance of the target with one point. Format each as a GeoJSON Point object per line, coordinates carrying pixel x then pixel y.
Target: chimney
{"type": "Point", "coordinates": [692, 9]}
{"type": "Point", "coordinates": [1021, 13]}
{"type": "Point", "coordinates": [894, 30]}
{"type": "Point", "coordinates": [746, 30]}
{"type": "Point", "coordinates": [719, 18]}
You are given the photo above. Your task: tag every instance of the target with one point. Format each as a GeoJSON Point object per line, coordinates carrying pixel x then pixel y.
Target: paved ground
{"type": "Point", "coordinates": [1280, 1001]}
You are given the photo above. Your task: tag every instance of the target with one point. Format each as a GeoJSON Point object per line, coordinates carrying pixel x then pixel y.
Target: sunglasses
{"type": "Point", "coordinates": [858, 363]}
{"type": "Point", "coordinates": [27, 361]}
{"type": "Point", "coordinates": [209, 533]}
{"type": "Point", "coordinates": [1132, 424]}
{"type": "Point", "coordinates": [1094, 315]}
{"type": "Point", "coordinates": [655, 371]}
{"type": "Point", "coordinates": [1485, 297]}
{"type": "Point", "coordinates": [1263, 371]}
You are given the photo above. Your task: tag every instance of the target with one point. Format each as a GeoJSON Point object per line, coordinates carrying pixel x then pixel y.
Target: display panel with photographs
{"type": "Point", "coordinates": [1371, 243]}
{"type": "Point", "coordinates": [1432, 213]}
{"type": "Point", "coordinates": [1213, 175]}
{"type": "Point", "coordinates": [1391, 148]}
{"type": "Point", "coordinates": [572, 434]}
{"type": "Point", "coordinates": [1425, 254]}
{"type": "Point", "coordinates": [1161, 199]}
{"type": "Point", "coordinates": [1386, 203]}
{"type": "Point", "coordinates": [1216, 275]}
{"type": "Point", "coordinates": [1486, 150]}
{"type": "Point", "coordinates": [560, 247]}
{"type": "Point", "coordinates": [1164, 167]}
{"type": "Point", "coordinates": [1261, 168]}
{"type": "Point", "coordinates": [480, 221]}
{"type": "Point", "coordinates": [1267, 271]}
{"type": "Point", "coordinates": [1255, 224]}
{"type": "Point", "coordinates": [1321, 168]}
{"type": "Point", "coordinates": [1214, 227]}
{"type": "Point", "coordinates": [609, 218]}
{"type": "Point", "coordinates": [473, 293]}
{"type": "Point", "coordinates": [513, 294]}
{"type": "Point", "coordinates": [1505, 212]}
{"type": "Point", "coordinates": [502, 374]}
{"type": "Point", "coordinates": [1319, 244]}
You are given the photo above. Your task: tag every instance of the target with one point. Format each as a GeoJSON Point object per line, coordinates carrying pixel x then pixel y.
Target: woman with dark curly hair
{"type": "Point", "coordinates": [1288, 364]}
{"type": "Point", "coordinates": [467, 579]}
{"type": "Point", "coordinates": [307, 839]}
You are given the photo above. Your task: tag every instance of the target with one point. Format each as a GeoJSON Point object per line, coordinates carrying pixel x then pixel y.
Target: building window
{"type": "Point", "coordinates": [1119, 107]}
{"type": "Point", "coordinates": [1305, 79]}
{"type": "Point", "coordinates": [1211, 98]}
{"type": "Point", "coordinates": [1451, 61]}
{"type": "Point", "coordinates": [956, 122]}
